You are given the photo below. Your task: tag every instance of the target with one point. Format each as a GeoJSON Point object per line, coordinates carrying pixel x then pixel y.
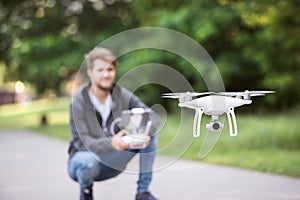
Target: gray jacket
{"type": "Point", "coordinates": [87, 134]}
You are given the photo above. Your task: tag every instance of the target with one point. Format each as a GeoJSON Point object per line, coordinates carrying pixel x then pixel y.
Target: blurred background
{"type": "Point", "coordinates": [255, 45]}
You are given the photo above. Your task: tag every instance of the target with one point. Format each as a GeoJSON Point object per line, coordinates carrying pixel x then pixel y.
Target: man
{"type": "Point", "coordinates": [97, 154]}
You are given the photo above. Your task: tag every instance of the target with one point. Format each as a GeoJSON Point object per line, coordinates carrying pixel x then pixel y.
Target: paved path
{"type": "Point", "coordinates": [33, 167]}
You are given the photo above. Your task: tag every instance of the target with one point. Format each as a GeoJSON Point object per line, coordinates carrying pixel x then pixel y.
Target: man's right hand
{"type": "Point", "coordinates": [117, 143]}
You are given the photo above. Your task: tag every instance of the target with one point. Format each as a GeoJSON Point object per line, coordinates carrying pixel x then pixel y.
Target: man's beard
{"type": "Point", "coordinates": [105, 89]}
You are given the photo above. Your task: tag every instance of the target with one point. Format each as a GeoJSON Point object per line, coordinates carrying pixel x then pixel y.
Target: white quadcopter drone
{"type": "Point", "coordinates": [215, 104]}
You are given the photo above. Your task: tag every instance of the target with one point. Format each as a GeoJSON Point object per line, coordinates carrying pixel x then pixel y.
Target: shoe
{"type": "Point", "coordinates": [145, 196]}
{"type": "Point", "coordinates": [86, 194]}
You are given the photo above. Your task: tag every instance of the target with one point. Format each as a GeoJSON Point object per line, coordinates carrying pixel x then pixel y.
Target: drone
{"type": "Point", "coordinates": [214, 104]}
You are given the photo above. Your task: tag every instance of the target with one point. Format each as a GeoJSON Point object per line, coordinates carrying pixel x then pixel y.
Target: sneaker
{"type": "Point", "coordinates": [145, 196]}
{"type": "Point", "coordinates": [86, 194]}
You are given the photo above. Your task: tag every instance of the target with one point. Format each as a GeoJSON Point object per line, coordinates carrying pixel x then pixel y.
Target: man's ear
{"type": "Point", "coordinates": [89, 71]}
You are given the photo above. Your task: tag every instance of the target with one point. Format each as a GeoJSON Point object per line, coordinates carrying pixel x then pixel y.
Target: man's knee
{"type": "Point", "coordinates": [87, 172]}
{"type": "Point", "coordinates": [83, 166]}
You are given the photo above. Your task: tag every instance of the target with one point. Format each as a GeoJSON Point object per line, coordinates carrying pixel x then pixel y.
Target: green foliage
{"type": "Point", "coordinates": [43, 42]}
{"type": "Point", "coordinates": [60, 58]}
{"type": "Point", "coordinates": [255, 44]}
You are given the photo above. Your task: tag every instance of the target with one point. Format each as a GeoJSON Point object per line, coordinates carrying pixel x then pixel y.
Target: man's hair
{"type": "Point", "coordinates": [100, 53]}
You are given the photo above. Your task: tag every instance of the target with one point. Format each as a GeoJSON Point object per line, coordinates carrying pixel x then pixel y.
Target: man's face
{"type": "Point", "coordinates": [102, 74]}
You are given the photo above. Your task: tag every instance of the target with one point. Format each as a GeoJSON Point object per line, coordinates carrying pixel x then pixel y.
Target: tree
{"type": "Point", "coordinates": [44, 41]}
{"type": "Point", "coordinates": [255, 44]}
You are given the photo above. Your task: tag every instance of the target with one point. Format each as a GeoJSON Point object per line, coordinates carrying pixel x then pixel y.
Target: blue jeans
{"type": "Point", "coordinates": [86, 167]}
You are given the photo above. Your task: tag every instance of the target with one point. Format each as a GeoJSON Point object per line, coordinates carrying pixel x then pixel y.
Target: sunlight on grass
{"type": "Point", "coordinates": [29, 114]}
{"type": "Point", "coordinates": [34, 107]}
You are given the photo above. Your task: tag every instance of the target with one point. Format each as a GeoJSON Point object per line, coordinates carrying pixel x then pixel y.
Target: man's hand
{"type": "Point", "coordinates": [117, 143]}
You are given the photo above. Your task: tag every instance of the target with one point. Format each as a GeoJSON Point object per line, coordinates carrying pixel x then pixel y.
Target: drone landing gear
{"type": "Point", "coordinates": [215, 125]}
{"type": "Point", "coordinates": [231, 115]}
{"type": "Point", "coordinates": [197, 122]}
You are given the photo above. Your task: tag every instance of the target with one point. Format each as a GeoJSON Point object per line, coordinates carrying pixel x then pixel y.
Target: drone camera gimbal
{"type": "Point", "coordinates": [215, 125]}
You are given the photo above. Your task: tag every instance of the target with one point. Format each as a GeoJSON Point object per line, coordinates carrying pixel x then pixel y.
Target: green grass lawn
{"type": "Point", "coordinates": [29, 114]}
{"type": "Point", "coordinates": [269, 143]}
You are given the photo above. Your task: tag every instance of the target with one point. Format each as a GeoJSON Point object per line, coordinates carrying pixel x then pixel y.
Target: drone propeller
{"type": "Point", "coordinates": [177, 95]}
{"type": "Point", "coordinates": [184, 96]}
{"type": "Point", "coordinates": [246, 94]}
{"type": "Point", "coordinates": [171, 97]}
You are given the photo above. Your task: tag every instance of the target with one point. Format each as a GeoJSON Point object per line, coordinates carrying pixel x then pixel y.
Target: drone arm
{"type": "Point", "coordinates": [231, 115]}
{"type": "Point", "coordinates": [197, 122]}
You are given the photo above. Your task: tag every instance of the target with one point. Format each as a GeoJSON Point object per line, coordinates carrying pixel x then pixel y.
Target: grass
{"type": "Point", "coordinates": [268, 143]}
{"type": "Point", "coordinates": [285, 162]}
{"type": "Point", "coordinates": [29, 114]}
{"type": "Point", "coordinates": [265, 143]}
